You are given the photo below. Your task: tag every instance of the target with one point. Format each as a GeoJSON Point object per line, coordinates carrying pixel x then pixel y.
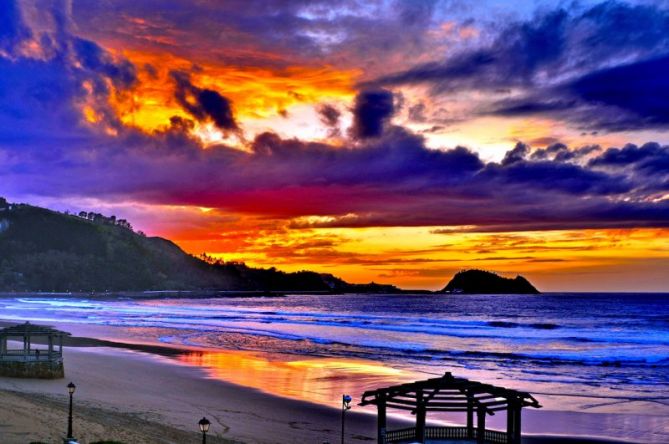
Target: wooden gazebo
{"type": "Point", "coordinates": [30, 361]}
{"type": "Point", "coordinates": [450, 394]}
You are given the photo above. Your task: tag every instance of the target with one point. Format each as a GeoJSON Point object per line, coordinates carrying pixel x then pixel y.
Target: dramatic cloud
{"type": "Point", "coordinates": [551, 42]}
{"type": "Point", "coordinates": [371, 112]}
{"type": "Point", "coordinates": [384, 175]}
{"type": "Point", "coordinates": [517, 154]}
{"type": "Point", "coordinates": [256, 124]}
{"type": "Point", "coordinates": [631, 96]}
{"type": "Point", "coordinates": [330, 117]}
{"type": "Point", "coordinates": [607, 53]}
{"type": "Point", "coordinates": [93, 58]}
{"type": "Point", "coordinates": [641, 88]}
{"type": "Point", "coordinates": [202, 103]}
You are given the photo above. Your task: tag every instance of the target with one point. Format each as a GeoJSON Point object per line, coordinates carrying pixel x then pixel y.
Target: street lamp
{"type": "Point", "coordinates": [204, 428]}
{"type": "Point", "coordinates": [70, 389]}
{"type": "Point", "coordinates": [345, 406]}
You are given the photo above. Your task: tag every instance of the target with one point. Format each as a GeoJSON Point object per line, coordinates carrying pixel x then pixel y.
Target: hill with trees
{"type": "Point", "coordinates": [45, 250]}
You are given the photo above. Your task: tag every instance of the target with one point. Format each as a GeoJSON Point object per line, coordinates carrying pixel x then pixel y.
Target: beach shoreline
{"type": "Point", "coordinates": [139, 393]}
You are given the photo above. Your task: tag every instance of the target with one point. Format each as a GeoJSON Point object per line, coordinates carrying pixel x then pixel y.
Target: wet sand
{"type": "Point", "coordinates": [135, 397]}
{"type": "Point", "coordinates": [138, 398]}
{"type": "Point", "coordinates": [139, 393]}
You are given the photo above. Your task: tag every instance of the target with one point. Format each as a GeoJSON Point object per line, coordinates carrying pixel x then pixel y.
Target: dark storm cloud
{"type": "Point", "coordinates": [562, 177]}
{"type": "Point", "coordinates": [94, 58]}
{"type": "Point", "coordinates": [329, 116]}
{"type": "Point", "coordinates": [393, 180]}
{"type": "Point", "coordinates": [606, 57]}
{"type": "Point", "coordinates": [629, 96]}
{"type": "Point", "coordinates": [548, 42]}
{"type": "Point", "coordinates": [650, 158]}
{"type": "Point", "coordinates": [559, 152]}
{"type": "Point", "coordinates": [202, 103]}
{"type": "Point", "coordinates": [517, 154]}
{"type": "Point", "coordinates": [512, 59]}
{"type": "Point", "coordinates": [641, 88]}
{"type": "Point", "coordinates": [371, 111]}
{"type": "Point", "coordinates": [550, 152]}
{"type": "Point", "coordinates": [386, 177]}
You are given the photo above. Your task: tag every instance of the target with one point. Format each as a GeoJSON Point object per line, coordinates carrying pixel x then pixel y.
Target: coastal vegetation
{"type": "Point", "coordinates": [49, 251]}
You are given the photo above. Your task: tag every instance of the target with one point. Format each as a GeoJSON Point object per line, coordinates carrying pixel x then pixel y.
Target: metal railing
{"type": "Point", "coordinates": [19, 356]}
{"type": "Point", "coordinates": [496, 437]}
{"type": "Point", "coordinates": [400, 435]}
{"type": "Point", "coordinates": [446, 432]}
{"type": "Point", "coordinates": [409, 434]}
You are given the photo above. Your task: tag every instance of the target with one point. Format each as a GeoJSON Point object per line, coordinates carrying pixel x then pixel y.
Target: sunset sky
{"type": "Point", "coordinates": [387, 141]}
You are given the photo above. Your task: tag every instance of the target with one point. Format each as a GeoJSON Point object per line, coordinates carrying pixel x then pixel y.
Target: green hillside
{"type": "Point", "coordinates": [44, 250]}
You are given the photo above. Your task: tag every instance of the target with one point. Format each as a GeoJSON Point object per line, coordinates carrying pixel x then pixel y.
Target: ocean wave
{"type": "Point", "coordinates": [539, 337]}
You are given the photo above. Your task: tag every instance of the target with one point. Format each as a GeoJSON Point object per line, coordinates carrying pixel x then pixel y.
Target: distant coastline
{"type": "Point", "coordinates": [92, 255]}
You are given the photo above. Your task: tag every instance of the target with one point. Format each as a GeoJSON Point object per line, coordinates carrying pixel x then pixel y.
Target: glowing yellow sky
{"type": "Point", "coordinates": [263, 98]}
{"type": "Point", "coordinates": [426, 257]}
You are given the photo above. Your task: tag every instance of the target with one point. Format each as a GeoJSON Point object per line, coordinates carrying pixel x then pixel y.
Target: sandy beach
{"type": "Point", "coordinates": [136, 398]}
{"type": "Point", "coordinates": [140, 385]}
{"type": "Point", "coordinates": [139, 397]}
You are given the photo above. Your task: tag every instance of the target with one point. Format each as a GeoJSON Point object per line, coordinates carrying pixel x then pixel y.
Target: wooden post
{"type": "Point", "coordinates": [420, 416]}
{"type": "Point", "coordinates": [480, 429]}
{"type": "Point", "coordinates": [470, 417]}
{"type": "Point", "coordinates": [381, 419]}
{"type": "Point", "coordinates": [516, 423]}
{"type": "Point", "coordinates": [510, 420]}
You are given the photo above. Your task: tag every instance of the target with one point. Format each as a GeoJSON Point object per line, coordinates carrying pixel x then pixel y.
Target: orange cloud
{"type": "Point", "coordinates": [256, 92]}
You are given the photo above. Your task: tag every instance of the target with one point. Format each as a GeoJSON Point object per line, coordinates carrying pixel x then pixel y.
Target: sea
{"type": "Point", "coordinates": [602, 358]}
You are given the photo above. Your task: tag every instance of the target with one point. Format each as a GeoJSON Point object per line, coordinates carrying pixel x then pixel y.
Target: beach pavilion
{"type": "Point", "coordinates": [31, 361]}
{"type": "Point", "coordinates": [450, 394]}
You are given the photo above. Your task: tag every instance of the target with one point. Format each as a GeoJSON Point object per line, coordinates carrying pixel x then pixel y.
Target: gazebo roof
{"type": "Point", "coordinates": [448, 394]}
{"type": "Point", "coordinates": [27, 328]}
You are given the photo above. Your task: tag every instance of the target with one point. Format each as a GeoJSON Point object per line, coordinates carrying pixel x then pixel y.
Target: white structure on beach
{"type": "Point", "coordinates": [30, 361]}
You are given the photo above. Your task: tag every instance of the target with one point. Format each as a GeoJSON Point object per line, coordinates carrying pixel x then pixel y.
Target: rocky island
{"type": "Point", "coordinates": [485, 282]}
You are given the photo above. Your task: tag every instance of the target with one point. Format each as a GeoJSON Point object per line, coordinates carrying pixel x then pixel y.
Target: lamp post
{"type": "Point", "coordinates": [204, 428]}
{"type": "Point", "coordinates": [70, 388]}
{"type": "Point", "coordinates": [345, 406]}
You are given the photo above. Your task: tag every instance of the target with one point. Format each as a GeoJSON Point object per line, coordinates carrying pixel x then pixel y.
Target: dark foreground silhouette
{"type": "Point", "coordinates": [485, 282]}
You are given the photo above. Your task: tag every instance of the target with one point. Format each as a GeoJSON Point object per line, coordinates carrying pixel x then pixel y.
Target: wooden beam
{"type": "Point", "coordinates": [510, 422]}
{"type": "Point", "coordinates": [480, 427]}
{"type": "Point", "coordinates": [381, 419]}
{"type": "Point", "coordinates": [517, 435]}
{"type": "Point", "coordinates": [421, 417]}
{"type": "Point", "coordinates": [399, 406]}
{"type": "Point", "coordinates": [470, 418]}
